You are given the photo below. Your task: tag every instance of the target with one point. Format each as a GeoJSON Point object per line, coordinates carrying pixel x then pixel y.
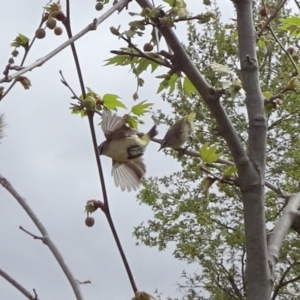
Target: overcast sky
{"type": "Point", "coordinates": [48, 157]}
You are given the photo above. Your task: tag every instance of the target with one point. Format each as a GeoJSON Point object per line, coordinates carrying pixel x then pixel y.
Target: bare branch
{"type": "Point", "coordinates": [277, 235]}
{"type": "Point", "coordinates": [18, 286]}
{"type": "Point", "coordinates": [279, 43]}
{"type": "Point", "coordinates": [31, 234]}
{"type": "Point", "coordinates": [142, 54]}
{"type": "Point", "coordinates": [283, 283]}
{"type": "Point", "coordinates": [46, 238]}
{"type": "Point", "coordinates": [67, 24]}
{"type": "Point", "coordinates": [272, 16]}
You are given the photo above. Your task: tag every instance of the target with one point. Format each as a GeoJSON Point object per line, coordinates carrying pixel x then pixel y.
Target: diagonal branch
{"type": "Point", "coordinates": [278, 41]}
{"type": "Point", "coordinates": [67, 24]}
{"type": "Point", "coordinates": [46, 238]}
{"type": "Point", "coordinates": [18, 286]}
{"type": "Point", "coordinates": [280, 4]}
{"type": "Point", "coordinates": [277, 235]}
{"type": "Point", "coordinates": [91, 26]}
{"type": "Point", "coordinates": [283, 283]}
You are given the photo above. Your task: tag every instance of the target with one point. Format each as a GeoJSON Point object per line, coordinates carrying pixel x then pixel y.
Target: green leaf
{"type": "Point", "coordinates": [133, 122]}
{"type": "Point", "coordinates": [142, 65]}
{"type": "Point", "coordinates": [261, 43]}
{"type": "Point", "coordinates": [188, 88]}
{"type": "Point", "coordinates": [131, 33]}
{"type": "Point", "coordinates": [268, 108]}
{"type": "Point", "coordinates": [172, 82]}
{"type": "Point", "coordinates": [141, 108]}
{"type": "Point", "coordinates": [90, 94]}
{"type": "Point", "coordinates": [176, 3]}
{"type": "Point", "coordinates": [153, 65]}
{"type": "Point", "coordinates": [208, 153]}
{"type": "Point", "coordinates": [111, 101]}
{"type": "Point", "coordinates": [232, 170]}
{"type": "Point", "coordinates": [167, 83]}
{"type": "Point", "coordinates": [20, 40]}
{"type": "Point", "coordinates": [291, 20]}
{"type": "Point", "coordinates": [291, 24]}
{"type": "Point", "coordinates": [119, 60]}
{"type": "Point", "coordinates": [267, 95]}
{"type": "Point", "coordinates": [78, 111]}
{"type": "Point", "coordinates": [163, 85]}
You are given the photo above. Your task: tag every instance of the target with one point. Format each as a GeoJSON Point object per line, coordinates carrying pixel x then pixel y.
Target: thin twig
{"type": "Point", "coordinates": [18, 286]}
{"type": "Point", "coordinates": [272, 17]}
{"type": "Point", "coordinates": [141, 54]}
{"type": "Point", "coordinates": [280, 44]}
{"type": "Point", "coordinates": [283, 283]}
{"type": "Point", "coordinates": [46, 238]}
{"type": "Point", "coordinates": [27, 49]}
{"type": "Point", "coordinates": [197, 17]}
{"type": "Point", "coordinates": [63, 80]}
{"type": "Point", "coordinates": [31, 234]}
{"type": "Point", "coordinates": [297, 3]}
{"type": "Point", "coordinates": [106, 210]}
{"type": "Point", "coordinates": [67, 24]}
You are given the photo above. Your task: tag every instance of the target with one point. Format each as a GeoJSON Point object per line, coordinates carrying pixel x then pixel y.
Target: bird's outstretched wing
{"type": "Point", "coordinates": [114, 126]}
{"type": "Point", "coordinates": [128, 175]}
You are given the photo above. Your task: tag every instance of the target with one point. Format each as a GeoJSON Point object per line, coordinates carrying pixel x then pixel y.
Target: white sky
{"type": "Point", "coordinates": [47, 155]}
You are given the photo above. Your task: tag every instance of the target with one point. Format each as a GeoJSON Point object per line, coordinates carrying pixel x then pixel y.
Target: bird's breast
{"type": "Point", "coordinates": [118, 149]}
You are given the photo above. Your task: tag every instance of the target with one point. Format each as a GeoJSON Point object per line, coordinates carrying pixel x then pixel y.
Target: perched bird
{"type": "Point", "coordinates": [179, 133]}
{"type": "Point", "coordinates": [126, 147]}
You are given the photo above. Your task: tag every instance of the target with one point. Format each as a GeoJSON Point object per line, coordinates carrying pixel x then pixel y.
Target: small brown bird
{"type": "Point", "coordinates": [126, 148]}
{"type": "Point", "coordinates": [179, 133]}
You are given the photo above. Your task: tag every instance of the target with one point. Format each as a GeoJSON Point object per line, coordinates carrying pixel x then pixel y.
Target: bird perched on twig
{"type": "Point", "coordinates": [126, 147]}
{"type": "Point", "coordinates": [179, 133]}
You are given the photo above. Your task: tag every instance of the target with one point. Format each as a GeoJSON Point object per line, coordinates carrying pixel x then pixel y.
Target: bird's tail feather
{"type": "Point", "coordinates": [152, 132]}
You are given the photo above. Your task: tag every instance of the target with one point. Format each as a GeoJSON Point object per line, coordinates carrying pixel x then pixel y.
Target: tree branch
{"type": "Point", "coordinates": [46, 238]}
{"type": "Point", "coordinates": [277, 235]}
{"type": "Point", "coordinates": [91, 26]}
{"type": "Point", "coordinates": [18, 286]}
{"type": "Point", "coordinates": [27, 49]}
{"type": "Point", "coordinates": [190, 153]}
{"type": "Point", "coordinates": [67, 24]}
{"type": "Point", "coordinates": [142, 54]}
{"type": "Point", "coordinates": [283, 283]}
{"type": "Point", "coordinates": [280, 4]}
{"type": "Point", "coordinates": [279, 43]}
